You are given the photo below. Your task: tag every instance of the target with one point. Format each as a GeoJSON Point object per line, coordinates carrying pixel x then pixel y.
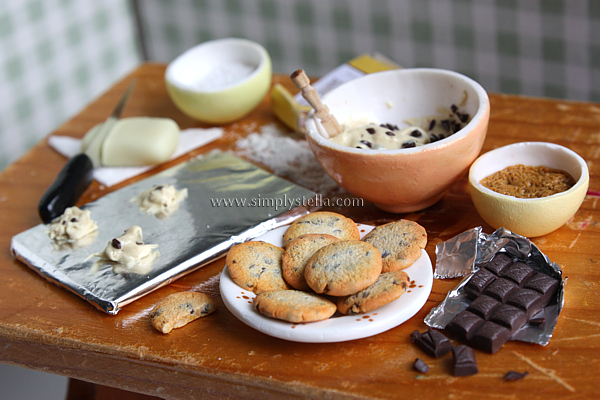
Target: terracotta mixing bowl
{"type": "Point", "coordinates": [404, 180]}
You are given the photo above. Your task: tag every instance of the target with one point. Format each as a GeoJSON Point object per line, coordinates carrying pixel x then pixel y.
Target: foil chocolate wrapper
{"type": "Point", "coordinates": [464, 254]}
{"type": "Point", "coordinates": [229, 201]}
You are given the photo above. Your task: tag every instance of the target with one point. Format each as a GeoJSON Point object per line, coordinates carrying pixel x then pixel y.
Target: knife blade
{"type": "Point", "coordinates": [76, 175]}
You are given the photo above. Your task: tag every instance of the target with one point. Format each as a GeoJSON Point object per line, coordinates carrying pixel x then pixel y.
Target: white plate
{"type": "Point", "coordinates": [340, 327]}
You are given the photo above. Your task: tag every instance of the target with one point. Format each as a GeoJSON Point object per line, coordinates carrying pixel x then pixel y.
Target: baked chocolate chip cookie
{"type": "Point", "coordinates": [388, 287]}
{"type": "Point", "coordinates": [294, 306]}
{"type": "Point", "coordinates": [399, 242]}
{"type": "Point", "coordinates": [322, 222]}
{"type": "Point", "coordinates": [343, 268]}
{"type": "Point", "coordinates": [179, 309]}
{"type": "Point", "coordinates": [256, 266]}
{"type": "Point", "coordinates": [297, 254]}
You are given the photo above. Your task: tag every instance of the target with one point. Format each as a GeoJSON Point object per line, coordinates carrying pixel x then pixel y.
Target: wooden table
{"type": "Point", "coordinates": [46, 328]}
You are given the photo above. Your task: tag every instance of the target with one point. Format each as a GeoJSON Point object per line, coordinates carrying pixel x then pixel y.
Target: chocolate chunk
{"type": "Point", "coordinates": [478, 282]}
{"type": "Point", "coordinates": [490, 337]}
{"type": "Point", "coordinates": [538, 322]}
{"type": "Point", "coordinates": [499, 263]}
{"type": "Point", "coordinates": [519, 273]}
{"type": "Point", "coordinates": [464, 325]}
{"type": "Point", "coordinates": [542, 283]}
{"type": "Point", "coordinates": [371, 131]}
{"type": "Point", "coordinates": [483, 306]}
{"type": "Point", "coordinates": [434, 343]}
{"type": "Point", "coordinates": [501, 289]}
{"type": "Point", "coordinates": [465, 363]}
{"type": "Point", "coordinates": [528, 300]}
{"type": "Point", "coordinates": [510, 317]}
{"type": "Point", "coordinates": [420, 366]}
{"type": "Point", "coordinates": [514, 375]}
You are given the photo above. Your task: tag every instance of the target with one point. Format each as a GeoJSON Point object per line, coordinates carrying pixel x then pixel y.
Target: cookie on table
{"type": "Point", "coordinates": [326, 222]}
{"type": "Point", "coordinates": [388, 287]}
{"type": "Point", "coordinates": [256, 266]}
{"type": "Point", "coordinates": [343, 268]}
{"type": "Point", "coordinates": [179, 309]}
{"type": "Point", "coordinates": [296, 255]}
{"type": "Point", "coordinates": [399, 242]}
{"type": "Point", "coordinates": [294, 306]}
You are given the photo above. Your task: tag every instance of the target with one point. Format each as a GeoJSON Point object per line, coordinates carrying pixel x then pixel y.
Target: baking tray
{"type": "Point", "coordinates": [252, 202]}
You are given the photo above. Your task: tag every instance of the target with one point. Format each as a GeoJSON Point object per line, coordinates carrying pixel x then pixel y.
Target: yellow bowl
{"type": "Point", "coordinates": [219, 81]}
{"type": "Point", "coordinates": [528, 217]}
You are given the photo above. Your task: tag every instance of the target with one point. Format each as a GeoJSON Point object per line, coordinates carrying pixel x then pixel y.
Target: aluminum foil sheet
{"type": "Point", "coordinates": [464, 254]}
{"type": "Point", "coordinates": [193, 236]}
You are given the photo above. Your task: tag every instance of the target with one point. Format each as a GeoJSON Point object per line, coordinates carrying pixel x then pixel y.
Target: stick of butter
{"type": "Point", "coordinates": [135, 141]}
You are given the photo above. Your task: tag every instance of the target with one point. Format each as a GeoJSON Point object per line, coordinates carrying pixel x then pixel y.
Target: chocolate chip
{"type": "Point", "coordinates": [116, 244]}
{"type": "Point", "coordinates": [64, 222]}
{"type": "Point", "coordinates": [514, 375]}
{"type": "Point", "coordinates": [73, 219]}
{"type": "Point", "coordinates": [416, 133]}
{"type": "Point", "coordinates": [158, 187]}
{"type": "Point", "coordinates": [420, 366]}
{"type": "Point", "coordinates": [390, 133]}
{"type": "Point", "coordinates": [432, 124]}
{"type": "Point", "coordinates": [407, 145]}
{"type": "Point", "coordinates": [371, 131]}
{"type": "Point", "coordinates": [464, 117]}
{"type": "Point", "coordinates": [454, 108]}
{"type": "Point", "coordinates": [445, 124]}
{"type": "Point", "coordinates": [367, 143]}
{"type": "Point", "coordinates": [139, 243]}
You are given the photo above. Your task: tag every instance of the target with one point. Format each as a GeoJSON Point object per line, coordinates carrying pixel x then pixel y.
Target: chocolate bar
{"type": "Point", "coordinates": [432, 342]}
{"type": "Point", "coordinates": [505, 296]}
{"type": "Point", "coordinates": [465, 363]}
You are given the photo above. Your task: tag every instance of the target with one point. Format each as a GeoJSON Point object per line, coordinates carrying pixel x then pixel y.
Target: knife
{"type": "Point", "coordinates": [76, 175]}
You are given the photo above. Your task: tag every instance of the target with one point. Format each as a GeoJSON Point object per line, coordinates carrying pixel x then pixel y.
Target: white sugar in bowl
{"type": "Point", "coordinates": [219, 81]}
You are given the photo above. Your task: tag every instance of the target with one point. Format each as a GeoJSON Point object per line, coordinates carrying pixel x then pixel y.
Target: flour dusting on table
{"type": "Point", "coordinates": [288, 158]}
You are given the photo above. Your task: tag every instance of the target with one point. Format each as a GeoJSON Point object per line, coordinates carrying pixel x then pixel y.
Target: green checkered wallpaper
{"type": "Point", "coordinates": [532, 47]}
{"type": "Point", "coordinates": [55, 57]}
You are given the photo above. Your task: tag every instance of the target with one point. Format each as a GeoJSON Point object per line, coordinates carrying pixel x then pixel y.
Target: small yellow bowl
{"type": "Point", "coordinates": [219, 81]}
{"type": "Point", "coordinates": [528, 217]}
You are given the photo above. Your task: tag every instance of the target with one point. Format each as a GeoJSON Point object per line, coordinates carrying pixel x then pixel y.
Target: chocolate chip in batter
{"type": "Point", "coordinates": [407, 145]}
{"type": "Point", "coordinates": [416, 133]}
{"type": "Point", "coordinates": [432, 124]}
{"type": "Point", "coordinates": [390, 133]}
{"type": "Point", "coordinates": [116, 244]}
{"type": "Point", "coordinates": [371, 131]}
{"type": "Point", "coordinates": [367, 143]}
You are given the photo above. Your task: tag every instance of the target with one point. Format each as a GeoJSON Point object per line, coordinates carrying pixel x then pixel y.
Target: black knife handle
{"type": "Point", "coordinates": [72, 180]}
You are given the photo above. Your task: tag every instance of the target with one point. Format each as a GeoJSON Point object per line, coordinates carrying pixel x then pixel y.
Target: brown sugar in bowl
{"type": "Point", "coordinates": [410, 179]}
{"type": "Point", "coordinates": [529, 217]}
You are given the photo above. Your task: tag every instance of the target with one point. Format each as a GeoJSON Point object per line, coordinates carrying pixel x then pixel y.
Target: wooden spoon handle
{"type": "Point", "coordinates": [330, 124]}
